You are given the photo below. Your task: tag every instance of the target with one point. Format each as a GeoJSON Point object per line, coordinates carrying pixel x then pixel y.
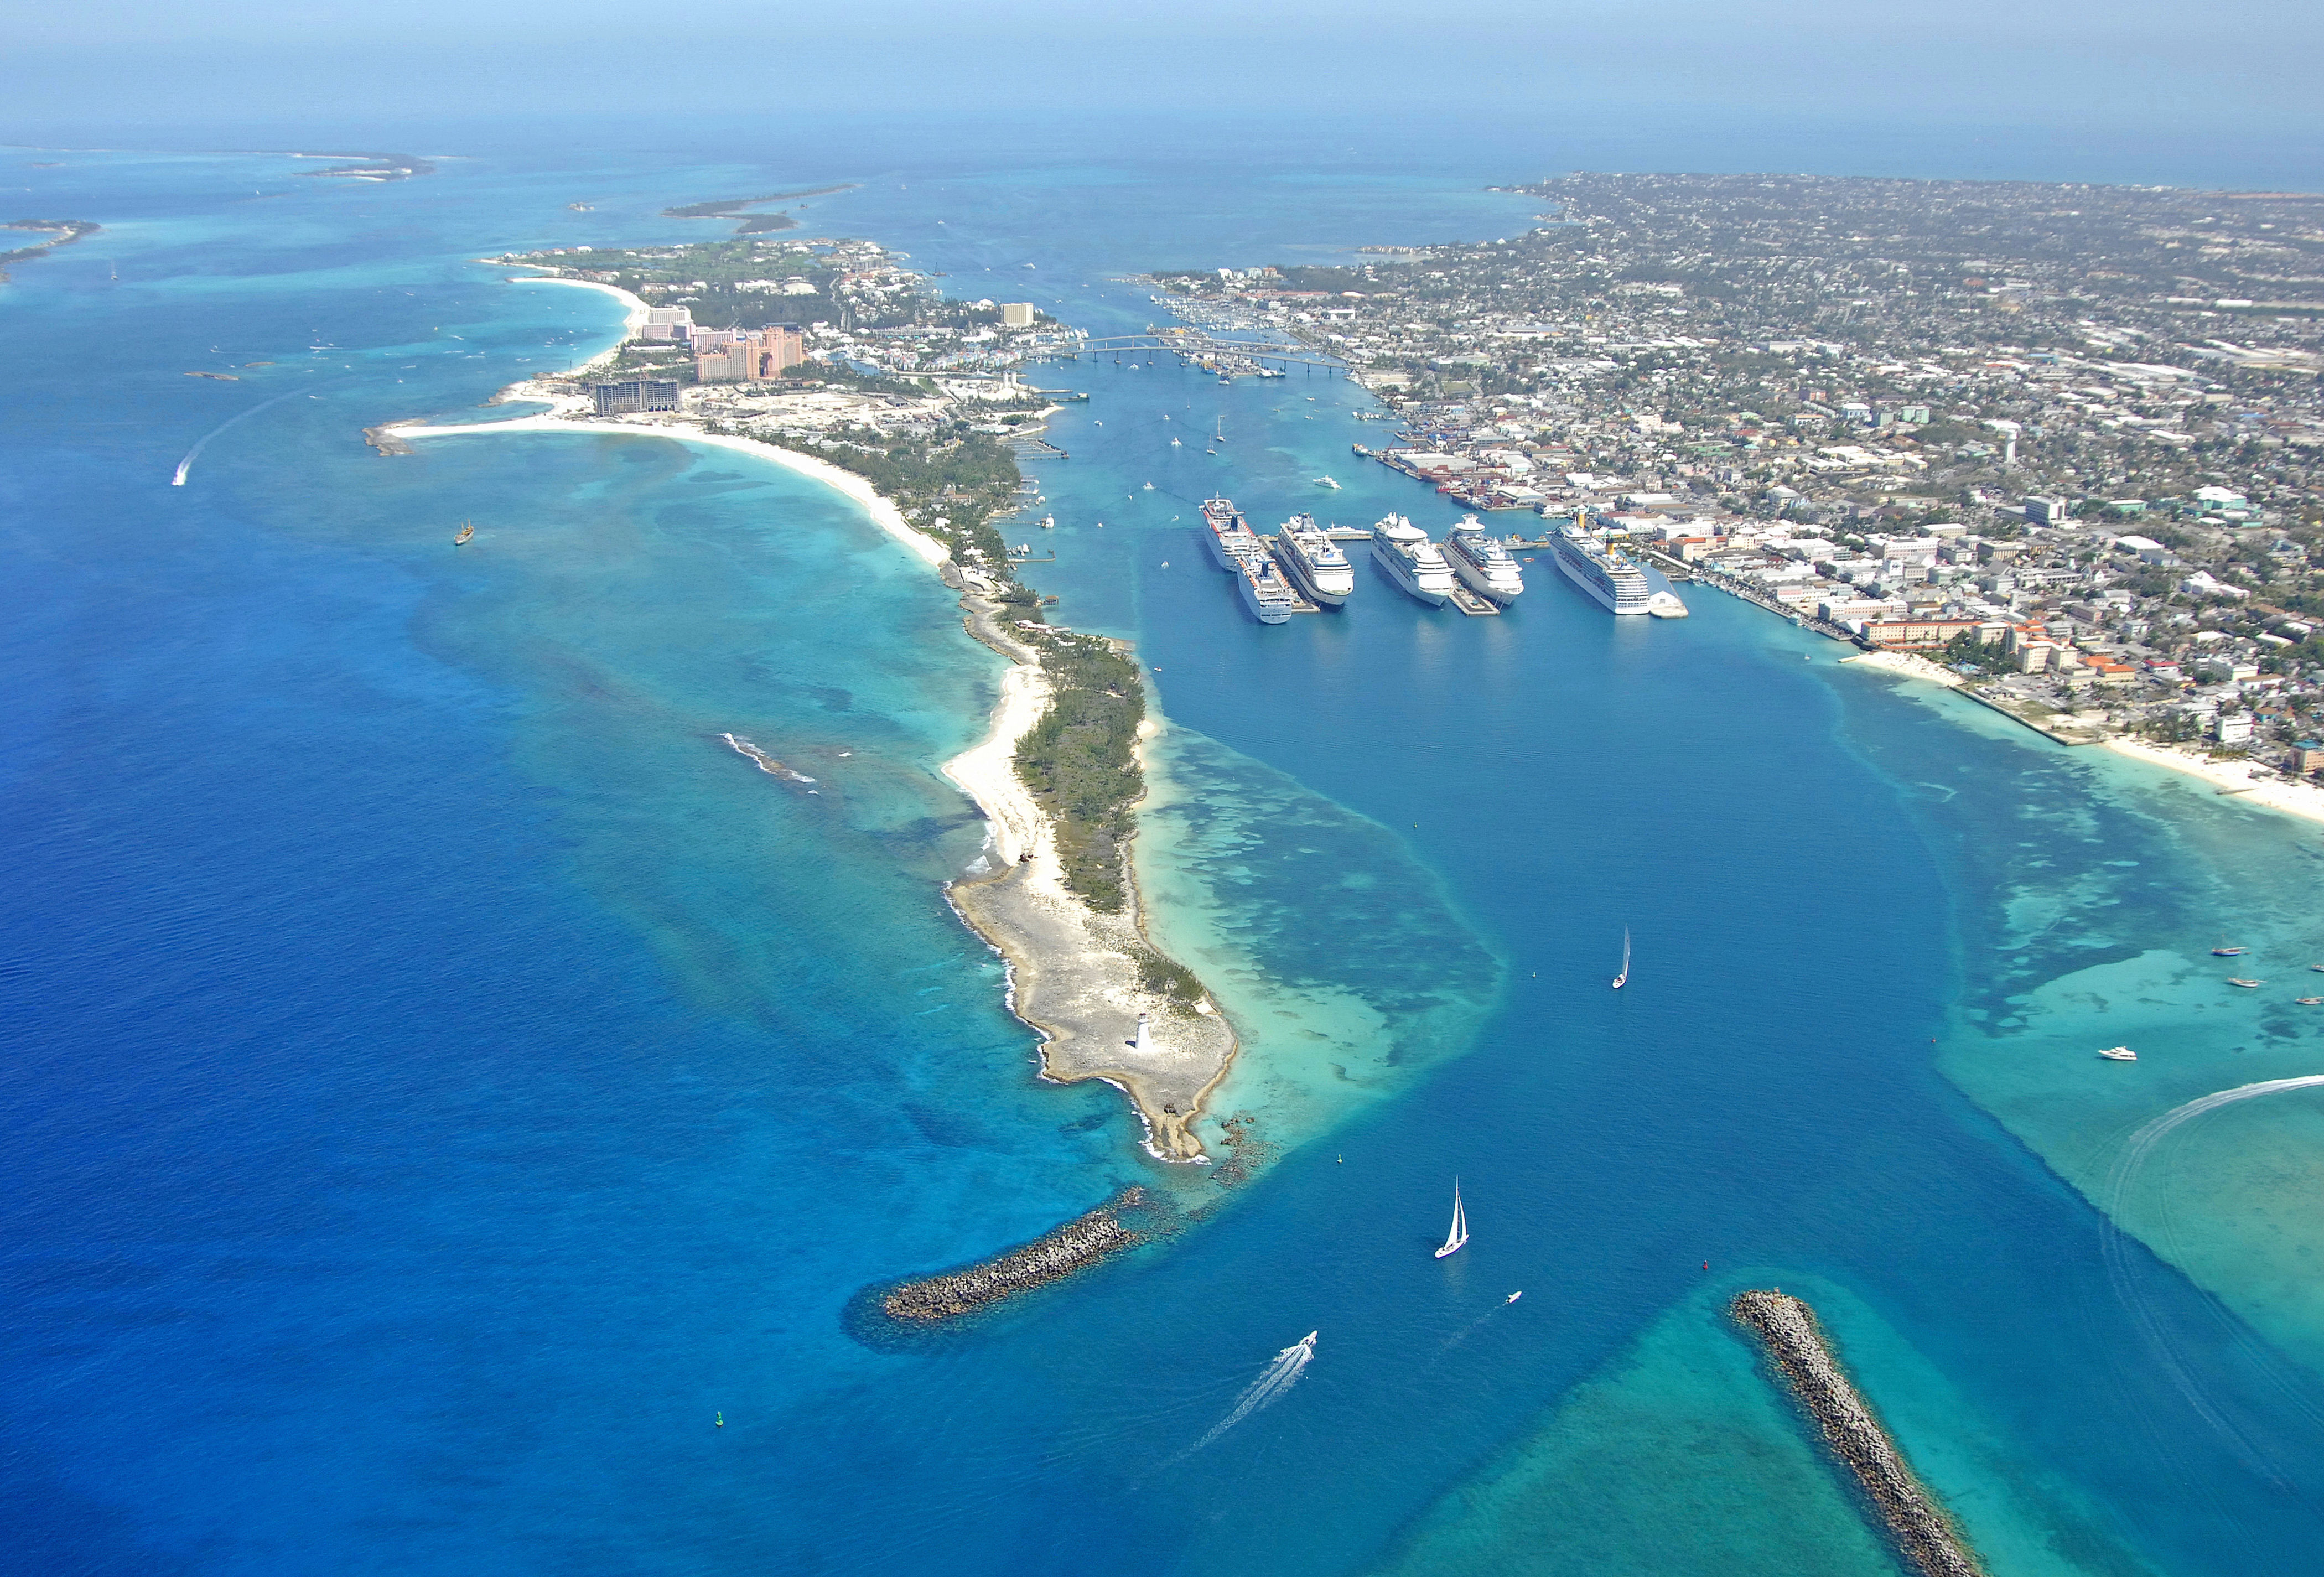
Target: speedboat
{"type": "Point", "coordinates": [2119, 1053]}
{"type": "Point", "coordinates": [2246, 984]}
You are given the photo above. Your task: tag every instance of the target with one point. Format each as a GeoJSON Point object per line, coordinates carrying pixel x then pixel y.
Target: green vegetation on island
{"type": "Point", "coordinates": [732, 208]}
{"type": "Point", "coordinates": [1081, 763]}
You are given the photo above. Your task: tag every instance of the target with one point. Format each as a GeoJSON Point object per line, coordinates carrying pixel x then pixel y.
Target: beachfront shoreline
{"type": "Point", "coordinates": [1073, 974]}
{"type": "Point", "coordinates": [2230, 779]}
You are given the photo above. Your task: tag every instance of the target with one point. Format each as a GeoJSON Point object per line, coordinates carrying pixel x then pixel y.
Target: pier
{"type": "Point", "coordinates": [1077, 1245]}
{"type": "Point", "coordinates": [1922, 1534]}
{"type": "Point", "coordinates": [1470, 603]}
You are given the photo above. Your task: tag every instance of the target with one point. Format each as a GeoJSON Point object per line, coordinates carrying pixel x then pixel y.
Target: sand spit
{"type": "Point", "coordinates": [1075, 973]}
{"type": "Point", "coordinates": [1055, 1255]}
{"type": "Point", "coordinates": [1923, 1535]}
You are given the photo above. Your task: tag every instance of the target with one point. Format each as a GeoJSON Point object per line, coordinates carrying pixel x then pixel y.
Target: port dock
{"type": "Point", "coordinates": [1470, 603]}
{"type": "Point", "coordinates": [1924, 1537]}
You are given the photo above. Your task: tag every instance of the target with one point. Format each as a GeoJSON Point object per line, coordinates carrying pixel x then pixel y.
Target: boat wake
{"type": "Point", "coordinates": [187, 464]}
{"type": "Point", "coordinates": [1280, 1377]}
{"type": "Point", "coordinates": [2123, 1266]}
{"type": "Point", "coordinates": [767, 763]}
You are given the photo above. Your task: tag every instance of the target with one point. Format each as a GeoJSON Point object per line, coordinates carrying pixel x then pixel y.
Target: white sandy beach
{"type": "Point", "coordinates": [884, 515]}
{"type": "Point", "coordinates": [987, 773]}
{"type": "Point", "coordinates": [1910, 666]}
{"type": "Point", "coordinates": [2266, 788]}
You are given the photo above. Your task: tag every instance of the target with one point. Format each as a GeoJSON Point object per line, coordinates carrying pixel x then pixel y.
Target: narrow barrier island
{"type": "Point", "coordinates": [1055, 1255]}
{"type": "Point", "coordinates": [1795, 1345]}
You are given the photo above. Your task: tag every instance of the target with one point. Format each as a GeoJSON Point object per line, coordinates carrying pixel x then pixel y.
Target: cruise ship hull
{"type": "Point", "coordinates": [1224, 545]}
{"type": "Point", "coordinates": [1399, 567]}
{"type": "Point", "coordinates": [1313, 583]}
{"type": "Point", "coordinates": [1265, 593]}
{"type": "Point", "coordinates": [1578, 568]}
{"type": "Point", "coordinates": [1478, 581]}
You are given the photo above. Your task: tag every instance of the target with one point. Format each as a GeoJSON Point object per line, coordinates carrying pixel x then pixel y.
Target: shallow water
{"type": "Point", "coordinates": [445, 1075]}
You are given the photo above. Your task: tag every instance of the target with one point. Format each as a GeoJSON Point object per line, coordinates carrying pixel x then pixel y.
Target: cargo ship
{"type": "Point", "coordinates": [1415, 563]}
{"type": "Point", "coordinates": [1313, 562]}
{"type": "Point", "coordinates": [1483, 562]}
{"type": "Point", "coordinates": [1231, 541]}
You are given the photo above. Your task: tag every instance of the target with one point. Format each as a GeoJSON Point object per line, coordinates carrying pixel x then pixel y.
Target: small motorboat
{"type": "Point", "coordinates": [2228, 951]}
{"type": "Point", "coordinates": [2119, 1053]}
{"type": "Point", "coordinates": [1513, 1296]}
{"type": "Point", "coordinates": [1623, 978]}
{"type": "Point", "coordinates": [2246, 984]}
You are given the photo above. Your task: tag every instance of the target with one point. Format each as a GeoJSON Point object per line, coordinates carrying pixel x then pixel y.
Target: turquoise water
{"type": "Point", "coordinates": [445, 1077]}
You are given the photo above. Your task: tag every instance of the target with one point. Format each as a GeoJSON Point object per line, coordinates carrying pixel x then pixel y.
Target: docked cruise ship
{"type": "Point", "coordinates": [1315, 562]}
{"type": "Point", "coordinates": [1267, 593]}
{"type": "Point", "coordinates": [1620, 586]}
{"type": "Point", "coordinates": [1231, 541]}
{"type": "Point", "coordinates": [1412, 560]}
{"type": "Point", "coordinates": [1483, 562]}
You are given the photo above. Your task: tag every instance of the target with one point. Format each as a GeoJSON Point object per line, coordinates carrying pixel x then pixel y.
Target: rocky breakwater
{"type": "Point", "coordinates": [1795, 1345]}
{"type": "Point", "coordinates": [1055, 1255]}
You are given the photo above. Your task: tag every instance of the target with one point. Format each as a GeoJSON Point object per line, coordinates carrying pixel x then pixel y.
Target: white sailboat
{"type": "Point", "coordinates": [1460, 1233]}
{"type": "Point", "coordinates": [1623, 978]}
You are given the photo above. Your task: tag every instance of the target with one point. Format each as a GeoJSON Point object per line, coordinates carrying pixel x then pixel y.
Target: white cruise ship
{"type": "Point", "coordinates": [1267, 593]}
{"type": "Point", "coordinates": [1617, 583]}
{"type": "Point", "coordinates": [1315, 562]}
{"type": "Point", "coordinates": [1412, 561]}
{"type": "Point", "coordinates": [1231, 541]}
{"type": "Point", "coordinates": [1483, 562]}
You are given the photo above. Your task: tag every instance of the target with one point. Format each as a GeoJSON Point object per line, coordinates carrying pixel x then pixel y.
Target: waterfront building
{"type": "Point", "coordinates": [1016, 313]}
{"type": "Point", "coordinates": [667, 323]}
{"type": "Point", "coordinates": [733, 355]}
{"type": "Point", "coordinates": [635, 394]}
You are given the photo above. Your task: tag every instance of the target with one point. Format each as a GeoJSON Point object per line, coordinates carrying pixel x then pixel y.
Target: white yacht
{"type": "Point", "coordinates": [1413, 562]}
{"type": "Point", "coordinates": [2119, 1053]}
{"type": "Point", "coordinates": [1315, 562]}
{"type": "Point", "coordinates": [1483, 562]}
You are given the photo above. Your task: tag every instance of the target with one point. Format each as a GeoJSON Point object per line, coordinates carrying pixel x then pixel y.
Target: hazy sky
{"type": "Point", "coordinates": [2235, 67]}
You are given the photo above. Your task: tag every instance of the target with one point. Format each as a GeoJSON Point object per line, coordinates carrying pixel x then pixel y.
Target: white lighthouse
{"type": "Point", "coordinates": [1142, 1043]}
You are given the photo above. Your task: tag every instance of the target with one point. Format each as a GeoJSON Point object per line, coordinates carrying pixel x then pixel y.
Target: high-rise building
{"type": "Point", "coordinates": [635, 394]}
{"type": "Point", "coordinates": [731, 355]}
{"type": "Point", "coordinates": [1016, 313]}
{"type": "Point", "coordinates": [667, 323]}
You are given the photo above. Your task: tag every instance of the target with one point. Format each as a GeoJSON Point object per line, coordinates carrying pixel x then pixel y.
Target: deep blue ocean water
{"type": "Point", "coordinates": [443, 1076]}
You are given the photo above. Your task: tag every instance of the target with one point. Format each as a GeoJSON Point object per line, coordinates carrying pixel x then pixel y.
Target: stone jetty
{"type": "Point", "coordinates": [1795, 1345]}
{"type": "Point", "coordinates": [1075, 1246]}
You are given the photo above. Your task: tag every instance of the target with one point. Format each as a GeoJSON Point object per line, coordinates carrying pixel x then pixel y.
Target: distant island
{"type": "Point", "coordinates": [753, 224]}
{"type": "Point", "coordinates": [60, 233]}
{"type": "Point", "coordinates": [371, 166]}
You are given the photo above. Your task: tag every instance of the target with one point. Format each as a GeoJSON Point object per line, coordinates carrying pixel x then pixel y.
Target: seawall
{"type": "Point", "coordinates": [1923, 1535]}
